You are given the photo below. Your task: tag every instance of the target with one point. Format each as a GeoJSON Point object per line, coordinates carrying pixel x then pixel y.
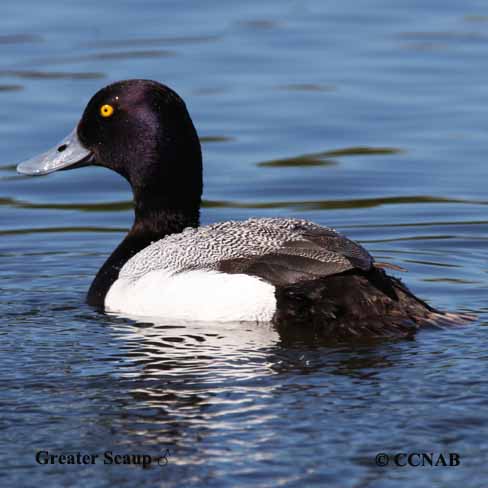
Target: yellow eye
{"type": "Point", "coordinates": [106, 110]}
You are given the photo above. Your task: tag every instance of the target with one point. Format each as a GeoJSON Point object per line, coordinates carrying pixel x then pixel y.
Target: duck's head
{"type": "Point", "coordinates": [140, 129]}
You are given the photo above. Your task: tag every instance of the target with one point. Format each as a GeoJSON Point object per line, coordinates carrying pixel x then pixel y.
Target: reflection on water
{"type": "Point", "coordinates": [10, 88]}
{"type": "Point", "coordinates": [307, 87]}
{"type": "Point", "coordinates": [394, 93]}
{"type": "Point", "coordinates": [321, 158]}
{"type": "Point", "coordinates": [444, 36]}
{"type": "Point", "coordinates": [476, 18]}
{"type": "Point", "coordinates": [51, 75]}
{"type": "Point", "coordinates": [334, 204]}
{"type": "Point", "coordinates": [150, 41]}
{"type": "Point", "coordinates": [311, 205]}
{"type": "Point", "coordinates": [110, 56]}
{"type": "Point", "coordinates": [19, 38]}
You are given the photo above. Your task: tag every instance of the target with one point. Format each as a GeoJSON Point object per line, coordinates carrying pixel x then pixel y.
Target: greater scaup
{"type": "Point", "coordinates": [293, 272]}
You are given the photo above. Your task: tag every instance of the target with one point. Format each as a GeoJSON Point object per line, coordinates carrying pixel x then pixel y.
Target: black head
{"type": "Point", "coordinates": [142, 130]}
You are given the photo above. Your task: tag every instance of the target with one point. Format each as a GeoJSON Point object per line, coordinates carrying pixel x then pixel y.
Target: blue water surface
{"type": "Point", "coordinates": [368, 116]}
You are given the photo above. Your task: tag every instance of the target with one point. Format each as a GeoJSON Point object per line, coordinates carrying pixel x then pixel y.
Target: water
{"type": "Point", "coordinates": [369, 116]}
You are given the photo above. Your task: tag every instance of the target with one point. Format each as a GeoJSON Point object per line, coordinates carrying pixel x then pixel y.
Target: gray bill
{"type": "Point", "coordinates": [69, 152]}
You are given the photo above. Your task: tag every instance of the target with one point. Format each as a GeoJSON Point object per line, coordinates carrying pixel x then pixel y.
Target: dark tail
{"type": "Point", "coordinates": [357, 305]}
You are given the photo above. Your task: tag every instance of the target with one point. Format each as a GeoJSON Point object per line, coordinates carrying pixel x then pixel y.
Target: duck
{"type": "Point", "coordinates": [294, 273]}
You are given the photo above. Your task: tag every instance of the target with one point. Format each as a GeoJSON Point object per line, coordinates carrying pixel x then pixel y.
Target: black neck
{"type": "Point", "coordinates": [155, 218]}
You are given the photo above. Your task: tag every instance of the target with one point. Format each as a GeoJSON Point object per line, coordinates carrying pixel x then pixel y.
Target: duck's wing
{"type": "Point", "coordinates": [311, 252]}
{"type": "Point", "coordinates": [279, 251]}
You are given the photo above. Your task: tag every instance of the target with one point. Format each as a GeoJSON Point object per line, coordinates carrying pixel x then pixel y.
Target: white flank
{"type": "Point", "coordinates": [194, 296]}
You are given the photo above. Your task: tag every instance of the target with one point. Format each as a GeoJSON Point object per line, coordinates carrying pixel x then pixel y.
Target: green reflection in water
{"type": "Point", "coordinates": [62, 230]}
{"type": "Point", "coordinates": [299, 161]}
{"type": "Point", "coordinates": [4, 88]}
{"type": "Point", "coordinates": [109, 55]}
{"type": "Point", "coordinates": [53, 75]}
{"type": "Point", "coordinates": [206, 139]}
{"type": "Point", "coordinates": [476, 18]}
{"type": "Point", "coordinates": [20, 39]}
{"type": "Point", "coordinates": [150, 41]}
{"type": "Point", "coordinates": [321, 158]}
{"type": "Point", "coordinates": [83, 207]}
{"type": "Point", "coordinates": [452, 281]}
{"type": "Point", "coordinates": [299, 205]}
{"type": "Point", "coordinates": [339, 204]}
{"type": "Point", "coordinates": [363, 151]}
{"type": "Point", "coordinates": [307, 87]}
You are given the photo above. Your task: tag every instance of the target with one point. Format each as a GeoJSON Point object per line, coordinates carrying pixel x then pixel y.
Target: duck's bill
{"type": "Point", "coordinates": [68, 154]}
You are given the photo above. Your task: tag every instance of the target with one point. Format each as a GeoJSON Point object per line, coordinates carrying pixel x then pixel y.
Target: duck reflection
{"type": "Point", "coordinates": [198, 388]}
{"type": "Point", "coordinates": [212, 354]}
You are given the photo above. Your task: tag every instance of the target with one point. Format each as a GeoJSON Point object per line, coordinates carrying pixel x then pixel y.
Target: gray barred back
{"type": "Point", "coordinates": [244, 246]}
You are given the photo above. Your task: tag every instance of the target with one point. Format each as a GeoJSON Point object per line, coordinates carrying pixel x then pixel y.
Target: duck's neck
{"type": "Point", "coordinates": [155, 217]}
